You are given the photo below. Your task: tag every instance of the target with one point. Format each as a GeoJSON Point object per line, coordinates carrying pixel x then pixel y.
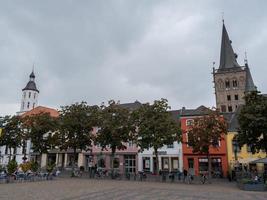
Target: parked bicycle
{"type": "Point", "coordinates": [204, 178]}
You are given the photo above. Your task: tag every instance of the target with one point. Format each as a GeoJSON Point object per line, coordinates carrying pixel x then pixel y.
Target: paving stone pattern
{"type": "Point", "coordinates": [83, 189]}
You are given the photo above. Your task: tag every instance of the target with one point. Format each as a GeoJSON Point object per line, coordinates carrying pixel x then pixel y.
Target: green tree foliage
{"type": "Point", "coordinates": [156, 127]}
{"type": "Point", "coordinates": [42, 131]}
{"type": "Point", "coordinates": [12, 134]}
{"type": "Point", "coordinates": [76, 125]}
{"type": "Point", "coordinates": [253, 122]}
{"type": "Point", "coordinates": [206, 132]}
{"type": "Point", "coordinates": [114, 128]}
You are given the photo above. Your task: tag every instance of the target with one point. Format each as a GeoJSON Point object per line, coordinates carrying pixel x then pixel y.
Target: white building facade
{"type": "Point", "coordinates": [170, 159]}
{"type": "Point", "coordinates": [28, 102]}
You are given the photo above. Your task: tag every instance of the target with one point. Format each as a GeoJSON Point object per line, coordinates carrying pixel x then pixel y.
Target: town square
{"type": "Point", "coordinates": [133, 99]}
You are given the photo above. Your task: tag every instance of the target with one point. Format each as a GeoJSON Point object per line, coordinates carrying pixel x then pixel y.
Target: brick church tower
{"type": "Point", "coordinates": [231, 81]}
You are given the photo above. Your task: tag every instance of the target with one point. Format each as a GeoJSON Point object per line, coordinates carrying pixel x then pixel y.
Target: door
{"type": "Point", "coordinates": [191, 169]}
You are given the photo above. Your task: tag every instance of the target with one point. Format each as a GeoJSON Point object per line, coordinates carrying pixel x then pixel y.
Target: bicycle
{"type": "Point", "coordinates": [190, 179]}
{"type": "Point", "coordinates": [204, 178]}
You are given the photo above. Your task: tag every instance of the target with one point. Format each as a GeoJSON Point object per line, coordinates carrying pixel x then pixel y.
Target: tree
{"type": "Point", "coordinates": [114, 128]}
{"type": "Point", "coordinates": [12, 134]}
{"type": "Point", "coordinates": [41, 130]}
{"type": "Point", "coordinates": [206, 132]}
{"type": "Point", "coordinates": [76, 125]}
{"type": "Point", "coordinates": [156, 127]}
{"type": "Point", "coordinates": [253, 122]}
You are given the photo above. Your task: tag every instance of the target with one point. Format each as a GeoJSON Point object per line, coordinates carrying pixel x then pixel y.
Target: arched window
{"type": "Point", "coordinates": [227, 84]}
{"type": "Point", "coordinates": [220, 84]}
{"type": "Point", "coordinates": [28, 105]}
{"type": "Point", "coordinates": [235, 83]}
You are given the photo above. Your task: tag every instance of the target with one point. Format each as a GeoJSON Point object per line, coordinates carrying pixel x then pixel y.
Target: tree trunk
{"type": "Point", "coordinates": [157, 161]}
{"type": "Point", "coordinates": [74, 159]}
{"type": "Point", "coordinates": [113, 150]}
{"type": "Point", "coordinates": [14, 153]}
{"type": "Point", "coordinates": [209, 167]}
{"type": "Point", "coordinates": [10, 154]}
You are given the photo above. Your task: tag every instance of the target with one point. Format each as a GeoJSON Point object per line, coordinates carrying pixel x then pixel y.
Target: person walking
{"type": "Point", "coordinates": [185, 174]}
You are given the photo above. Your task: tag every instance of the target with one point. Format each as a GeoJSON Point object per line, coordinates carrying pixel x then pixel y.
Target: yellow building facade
{"type": "Point", "coordinates": [244, 156]}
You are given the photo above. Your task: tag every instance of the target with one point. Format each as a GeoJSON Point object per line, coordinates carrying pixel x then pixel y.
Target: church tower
{"type": "Point", "coordinates": [29, 95]}
{"type": "Point", "coordinates": [231, 81]}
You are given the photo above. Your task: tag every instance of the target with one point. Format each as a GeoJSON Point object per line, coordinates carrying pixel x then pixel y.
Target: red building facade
{"type": "Point", "coordinates": [197, 163]}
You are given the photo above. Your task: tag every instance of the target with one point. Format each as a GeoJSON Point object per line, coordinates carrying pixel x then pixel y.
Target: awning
{"type": "Point", "coordinates": [262, 160]}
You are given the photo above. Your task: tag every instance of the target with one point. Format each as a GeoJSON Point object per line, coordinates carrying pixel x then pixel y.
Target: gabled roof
{"type": "Point", "coordinates": [131, 106]}
{"type": "Point", "coordinates": [227, 57]}
{"type": "Point", "coordinates": [175, 114]}
{"type": "Point", "coordinates": [42, 109]}
{"type": "Point", "coordinates": [201, 110]}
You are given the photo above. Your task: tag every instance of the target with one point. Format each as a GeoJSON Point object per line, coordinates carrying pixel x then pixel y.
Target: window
{"type": "Point", "coordinates": [170, 146]}
{"type": "Point", "coordinates": [116, 162]}
{"type": "Point", "coordinates": [146, 164]}
{"type": "Point", "coordinates": [29, 94]}
{"type": "Point", "coordinates": [130, 163]}
{"type": "Point", "coordinates": [203, 165]}
{"type": "Point", "coordinates": [230, 109]}
{"type": "Point", "coordinates": [33, 105]}
{"type": "Point", "coordinates": [23, 105]}
{"type": "Point", "coordinates": [236, 96]}
{"type": "Point", "coordinates": [186, 135]}
{"type": "Point", "coordinates": [234, 83]}
{"type": "Point", "coordinates": [165, 163]}
{"type": "Point", "coordinates": [227, 84]}
{"type": "Point", "coordinates": [24, 95]}
{"type": "Point", "coordinates": [216, 143]}
{"type": "Point", "coordinates": [229, 97]}
{"type": "Point", "coordinates": [28, 105]}
{"type": "Point", "coordinates": [101, 163]}
{"type": "Point", "coordinates": [235, 146]}
{"type": "Point", "coordinates": [34, 95]}
{"type": "Point", "coordinates": [189, 122]}
{"type": "Point", "coordinates": [223, 108]}
{"type": "Point", "coordinates": [130, 143]}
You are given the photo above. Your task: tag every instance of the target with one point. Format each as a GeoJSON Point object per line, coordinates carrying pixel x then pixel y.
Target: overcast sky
{"type": "Point", "coordinates": [125, 50]}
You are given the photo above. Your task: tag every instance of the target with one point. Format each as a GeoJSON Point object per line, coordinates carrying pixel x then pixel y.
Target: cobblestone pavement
{"type": "Point", "coordinates": [82, 189]}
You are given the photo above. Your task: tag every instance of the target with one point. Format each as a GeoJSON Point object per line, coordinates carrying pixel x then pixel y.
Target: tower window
{"type": "Point", "coordinates": [34, 95]}
{"type": "Point", "coordinates": [227, 84]}
{"type": "Point", "coordinates": [24, 95]}
{"type": "Point", "coordinates": [23, 105]}
{"type": "Point", "coordinates": [29, 94]}
{"type": "Point", "coordinates": [236, 96]}
{"type": "Point", "coordinates": [235, 83]}
{"type": "Point", "coordinates": [229, 97]}
{"type": "Point", "coordinates": [230, 109]}
{"type": "Point", "coordinates": [223, 108]}
{"type": "Point", "coordinates": [28, 105]}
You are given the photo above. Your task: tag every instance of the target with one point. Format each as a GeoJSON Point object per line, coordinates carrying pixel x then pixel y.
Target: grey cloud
{"type": "Point", "coordinates": [126, 50]}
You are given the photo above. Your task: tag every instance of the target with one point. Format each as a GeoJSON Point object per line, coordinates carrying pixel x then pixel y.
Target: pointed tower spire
{"type": "Point", "coordinates": [228, 57]}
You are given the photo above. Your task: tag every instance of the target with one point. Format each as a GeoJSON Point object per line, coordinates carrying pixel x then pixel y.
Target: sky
{"type": "Point", "coordinates": [125, 50]}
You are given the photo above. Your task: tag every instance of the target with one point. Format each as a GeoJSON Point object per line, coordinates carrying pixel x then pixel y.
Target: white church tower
{"type": "Point", "coordinates": [29, 96]}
